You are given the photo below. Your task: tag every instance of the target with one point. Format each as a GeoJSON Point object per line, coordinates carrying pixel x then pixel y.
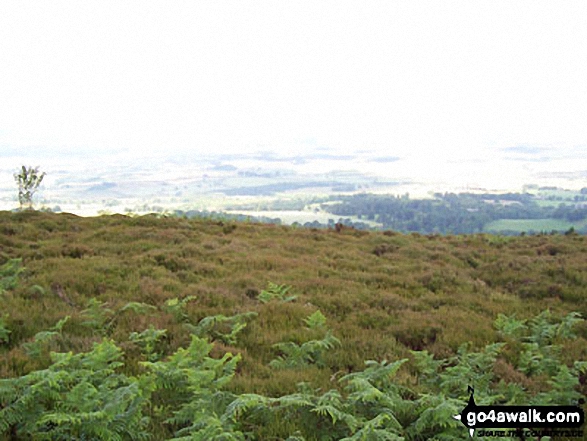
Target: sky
{"type": "Point", "coordinates": [422, 79]}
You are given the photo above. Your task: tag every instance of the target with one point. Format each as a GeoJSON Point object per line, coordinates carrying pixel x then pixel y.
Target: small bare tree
{"type": "Point", "coordinates": [28, 181]}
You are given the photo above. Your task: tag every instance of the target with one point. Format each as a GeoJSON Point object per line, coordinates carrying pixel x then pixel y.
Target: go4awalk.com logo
{"type": "Point", "coordinates": [552, 418]}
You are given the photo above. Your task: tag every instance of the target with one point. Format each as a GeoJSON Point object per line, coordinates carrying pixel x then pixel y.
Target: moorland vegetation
{"type": "Point", "coordinates": [120, 327]}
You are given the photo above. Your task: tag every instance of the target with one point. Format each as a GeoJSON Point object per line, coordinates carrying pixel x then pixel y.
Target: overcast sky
{"type": "Point", "coordinates": [402, 77]}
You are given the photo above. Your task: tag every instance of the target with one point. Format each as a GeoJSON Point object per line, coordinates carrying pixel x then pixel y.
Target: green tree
{"type": "Point", "coordinates": [28, 181]}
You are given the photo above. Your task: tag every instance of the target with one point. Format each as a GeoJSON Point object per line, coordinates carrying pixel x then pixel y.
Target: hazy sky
{"type": "Point", "coordinates": [416, 78]}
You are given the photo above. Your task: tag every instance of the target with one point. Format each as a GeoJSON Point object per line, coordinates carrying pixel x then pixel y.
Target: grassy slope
{"type": "Point", "coordinates": [383, 293]}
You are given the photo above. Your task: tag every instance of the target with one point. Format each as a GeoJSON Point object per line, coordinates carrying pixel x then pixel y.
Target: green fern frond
{"type": "Point", "coordinates": [510, 326]}
{"type": "Point", "coordinates": [276, 292]}
{"type": "Point", "coordinates": [377, 373]}
{"type": "Point", "coordinates": [177, 307]}
{"type": "Point", "coordinates": [220, 327]}
{"type": "Point", "coordinates": [383, 427]}
{"type": "Point", "coordinates": [245, 403]}
{"type": "Point", "coordinates": [138, 308]}
{"type": "Point", "coordinates": [4, 331]}
{"type": "Point", "coordinates": [9, 274]}
{"type": "Point", "coordinates": [336, 415]}
{"type": "Point", "coordinates": [317, 320]}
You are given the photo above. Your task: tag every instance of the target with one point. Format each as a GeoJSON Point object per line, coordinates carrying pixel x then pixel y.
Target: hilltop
{"type": "Point", "coordinates": [383, 294]}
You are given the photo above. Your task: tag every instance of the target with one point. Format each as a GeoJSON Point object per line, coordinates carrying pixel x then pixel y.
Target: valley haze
{"type": "Point", "coordinates": [196, 106]}
{"type": "Point", "coordinates": [87, 183]}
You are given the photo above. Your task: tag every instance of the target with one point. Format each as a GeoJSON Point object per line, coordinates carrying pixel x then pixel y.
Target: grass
{"type": "Point", "coordinates": [537, 225]}
{"type": "Point", "coordinates": [382, 293]}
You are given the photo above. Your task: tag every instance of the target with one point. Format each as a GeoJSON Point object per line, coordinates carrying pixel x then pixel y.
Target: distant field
{"type": "Point", "coordinates": [562, 197]}
{"type": "Point", "coordinates": [290, 216]}
{"type": "Point", "coordinates": [560, 192]}
{"type": "Point", "coordinates": [546, 203]}
{"type": "Point", "coordinates": [530, 225]}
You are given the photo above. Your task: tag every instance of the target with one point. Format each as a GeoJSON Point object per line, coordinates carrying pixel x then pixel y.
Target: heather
{"type": "Point", "coordinates": [271, 332]}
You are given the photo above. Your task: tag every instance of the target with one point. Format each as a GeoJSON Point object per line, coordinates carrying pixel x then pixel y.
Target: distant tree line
{"type": "Point", "coordinates": [446, 213]}
{"type": "Point", "coordinates": [450, 213]}
{"type": "Point", "coordinates": [225, 216]}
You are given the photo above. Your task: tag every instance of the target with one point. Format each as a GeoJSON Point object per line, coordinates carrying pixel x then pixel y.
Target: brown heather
{"type": "Point", "coordinates": [383, 294]}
